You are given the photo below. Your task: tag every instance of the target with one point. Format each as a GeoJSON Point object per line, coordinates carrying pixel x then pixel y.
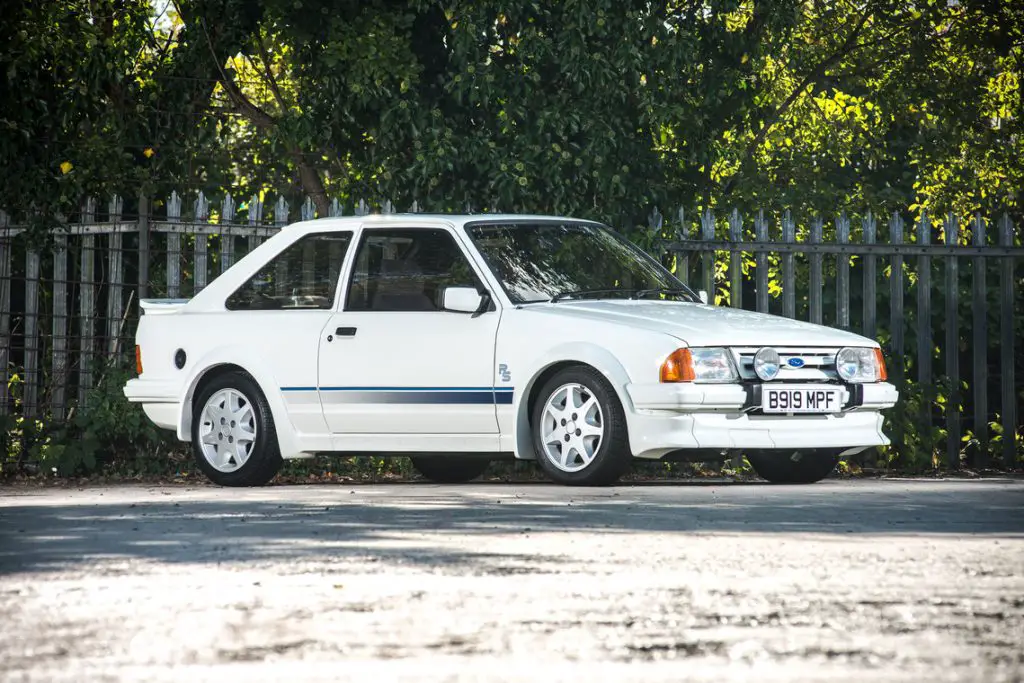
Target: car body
{"type": "Point", "coordinates": [437, 336]}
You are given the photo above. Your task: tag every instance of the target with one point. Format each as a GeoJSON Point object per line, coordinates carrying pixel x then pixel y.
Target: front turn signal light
{"type": "Point", "coordinates": [678, 367]}
{"type": "Point", "coordinates": [883, 374]}
{"type": "Point", "coordinates": [138, 359]}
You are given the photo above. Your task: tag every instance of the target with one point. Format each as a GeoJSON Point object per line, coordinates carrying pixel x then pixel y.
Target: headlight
{"type": "Point", "coordinates": [699, 365]}
{"type": "Point", "coordinates": [859, 365]}
{"type": "Point", "coordinates": [766, 363]}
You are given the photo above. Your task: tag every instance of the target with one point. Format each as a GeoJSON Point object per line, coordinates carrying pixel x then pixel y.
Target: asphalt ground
{"type": "Point", "coordinates": [845, 580]}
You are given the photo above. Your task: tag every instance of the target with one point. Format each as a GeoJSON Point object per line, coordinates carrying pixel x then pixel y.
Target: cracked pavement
{"type": "Point", "coordinates": [882, 580]}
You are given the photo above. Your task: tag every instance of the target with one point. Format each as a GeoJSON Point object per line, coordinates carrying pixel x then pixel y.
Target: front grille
{"type": "Point", "coordinates": [819, 364]}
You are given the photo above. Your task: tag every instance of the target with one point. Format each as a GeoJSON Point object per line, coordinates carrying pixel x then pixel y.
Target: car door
{"type": "Point", "coordinates": [280, 312]}
{"type": "Point", "coordinates": [393, 361]}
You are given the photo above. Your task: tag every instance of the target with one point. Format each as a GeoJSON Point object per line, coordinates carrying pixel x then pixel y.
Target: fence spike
{"type": "Point", "coordinates": [201, 207]}
{"type": "Point", "coordinates": [415, 208]}
{"type": "Point", "coordinates": [682, 229]}
{"type": "Point", "coordinates": [896, 228]}
{"type": "Point", "coordinates": [924, 228]}
{"type": "Point", "coordinates": [707, 224]}
{"type": "Point", "coordinates": [336, 208]}
{"type": "Point", "coordinates": [308, 210]}
{"type": "Point", "coordinates": [255, 210]}
{"type": "Point", "coordinates": [387, 207]}
{"type": "Point", "coordinates": [89, 210]}
{"type": "Point", "coordinates": [735, 226]}
{"type": "Point", "coordinates": [951, 229]}
{"type": "Point", "coordinates": [227, 209]}
{"type": "Point", "coordinates": [114, 207]}
{"type": "Point", "coordinates": [655, 220]}
{"type": "Point", "coordinates": [361, 208]}
{"type": "Point", "coordinates": [281, 211]}
{"type": "Point", "coordinates": [173, 206]}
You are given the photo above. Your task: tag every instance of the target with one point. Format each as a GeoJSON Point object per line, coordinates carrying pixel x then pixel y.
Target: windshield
{"type": "Point", "coordinates": [550, 260]}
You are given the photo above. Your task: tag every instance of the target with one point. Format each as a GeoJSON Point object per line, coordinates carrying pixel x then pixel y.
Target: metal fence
{"type": "Point", "coordinates": [68, 305]}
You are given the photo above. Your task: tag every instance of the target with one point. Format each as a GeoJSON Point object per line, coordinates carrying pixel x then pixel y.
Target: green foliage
{"type": "Point", "coordinates": [112, 435]}
{"type": "Point", "coordinates": [592, 109]}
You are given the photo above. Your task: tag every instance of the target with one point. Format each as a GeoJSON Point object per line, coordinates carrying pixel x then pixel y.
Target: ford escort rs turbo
{"type": "Point", "coordinates": [458, 340]}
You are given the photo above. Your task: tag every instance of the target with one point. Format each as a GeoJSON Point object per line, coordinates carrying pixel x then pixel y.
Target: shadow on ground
{"type": "Point", "coordinates": [406, 524]}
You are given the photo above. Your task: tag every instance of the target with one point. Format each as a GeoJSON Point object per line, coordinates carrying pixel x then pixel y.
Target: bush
{"type": "Point", "coordinates": [109, 434]}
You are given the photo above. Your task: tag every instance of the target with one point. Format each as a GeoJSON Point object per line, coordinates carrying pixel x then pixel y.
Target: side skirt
{"type": "Point", "coordinates": [404, 444]}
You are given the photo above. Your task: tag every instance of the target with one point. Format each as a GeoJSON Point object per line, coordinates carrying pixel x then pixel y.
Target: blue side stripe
{"type": "Point", "coordinates": [488, 389]}
{"type": "Point", "coordinates": [436, 395]}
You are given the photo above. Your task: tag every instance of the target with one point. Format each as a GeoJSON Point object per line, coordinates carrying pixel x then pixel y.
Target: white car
{"type": "Point", "coordinates": [457, 340]}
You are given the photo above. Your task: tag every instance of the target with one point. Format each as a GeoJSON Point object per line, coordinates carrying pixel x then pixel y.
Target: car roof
{"type": "Point", "coordinates": [457, 220]}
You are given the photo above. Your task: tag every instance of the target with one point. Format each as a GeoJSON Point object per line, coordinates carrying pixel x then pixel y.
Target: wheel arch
{"type": "Point", "coordinates": [223, 361]}
{"type": "Point", "coordinates": [569, 355]}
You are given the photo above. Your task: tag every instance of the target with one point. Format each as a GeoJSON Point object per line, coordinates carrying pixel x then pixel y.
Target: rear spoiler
{"type": "Point", "coordinates": [162, 306]}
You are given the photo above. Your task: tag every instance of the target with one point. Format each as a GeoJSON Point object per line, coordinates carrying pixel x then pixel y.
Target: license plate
{"type": "Point", "coordinates": [802, 399]}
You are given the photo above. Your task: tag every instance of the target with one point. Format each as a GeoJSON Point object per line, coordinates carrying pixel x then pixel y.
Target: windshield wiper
{"type": "Point", "coordinates": [640, 293]}
{"type": "Point", "coordinates": [632, 292]}
{"type": "Point", "coordinates": [565, 294]}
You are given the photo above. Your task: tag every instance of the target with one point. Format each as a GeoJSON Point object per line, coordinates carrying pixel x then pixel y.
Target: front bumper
{"type": "Point", "coordinates": [746, 397]}
{"type": "Point", "coordinates": [159, 400]}
{"type": "Point", "coordinates": [673, 417]}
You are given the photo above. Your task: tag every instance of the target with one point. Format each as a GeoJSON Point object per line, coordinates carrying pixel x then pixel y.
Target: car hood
{"type": "Point", "coordinates": [704, 325]}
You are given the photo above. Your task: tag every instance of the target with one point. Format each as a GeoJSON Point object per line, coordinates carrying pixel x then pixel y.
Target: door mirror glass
{"type": "Point", "coordinates": [461, 299]}
{"type": "Point", "coordinates": [703, 296]}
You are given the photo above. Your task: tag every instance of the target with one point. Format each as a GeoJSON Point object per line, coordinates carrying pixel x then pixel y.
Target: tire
{"type": "Point", "coordinates": [215, 436]}
{"type": "Point", "coordinates": [450, 469]}
{"type": "Point", "coordinates": [794, 467]}
{"type": "Point", "coordinates": [598, 457]}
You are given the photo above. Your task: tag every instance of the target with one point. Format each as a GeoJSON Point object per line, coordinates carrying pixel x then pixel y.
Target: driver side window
{"type": "Point", "coordinates": [304, 276]}
{"type": "Point", "coordinates": [406, 270]}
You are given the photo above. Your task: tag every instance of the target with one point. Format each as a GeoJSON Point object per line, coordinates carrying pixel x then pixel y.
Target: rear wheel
{"type": "Point", "coordinates": [450, 469]}
{"type": "Point", "coordinates": [233, 435]}
{"type": "Point", "coordinates": [579, 429]}
{"type": "Point", "coordinates": [805, 466]}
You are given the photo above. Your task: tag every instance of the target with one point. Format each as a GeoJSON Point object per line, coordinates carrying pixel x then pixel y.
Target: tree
{"type": "Point", "coordinates": [598, 109]}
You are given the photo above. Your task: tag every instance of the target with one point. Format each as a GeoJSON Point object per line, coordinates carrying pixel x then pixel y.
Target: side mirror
{"type": "Point", "coordinates": [703, 296]}
{"type": "Point", "coordinates": [461, 299]}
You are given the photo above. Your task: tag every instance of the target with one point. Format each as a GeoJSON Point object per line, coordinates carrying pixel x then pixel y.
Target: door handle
{"type": "Point", "coordinates": [345, 332]}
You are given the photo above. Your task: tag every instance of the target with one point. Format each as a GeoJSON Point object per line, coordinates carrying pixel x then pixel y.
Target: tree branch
{"type": "Point", "coordinates": [309, 176]}
{"type": "Point", "coordinates": [265, 58]}
{"type": "Point", "coordinates": [245, 106]}
{"type": "Point", "coordinates": [820, 70]}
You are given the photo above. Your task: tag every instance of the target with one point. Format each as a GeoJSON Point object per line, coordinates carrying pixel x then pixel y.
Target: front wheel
{"type": "Point", "coordinates": [794, 467]}
{"type": "Point", "coordinates": [579, 429]}
{"type": "Point", "coordinates": [450, 469]}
